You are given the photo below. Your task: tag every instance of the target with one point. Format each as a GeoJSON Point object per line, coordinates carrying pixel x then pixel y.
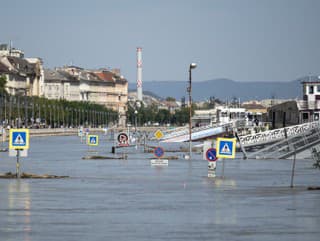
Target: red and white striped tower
{"type": "Point", "coordinates": [139, 74]}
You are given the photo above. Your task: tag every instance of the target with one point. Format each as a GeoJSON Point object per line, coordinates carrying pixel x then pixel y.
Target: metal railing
{"type": "Point", "coordinates": [198, 131]}
{"type": "Point", "coordinates": [289, 146]}
{"type": "Point", "coordinates": [266, 137]}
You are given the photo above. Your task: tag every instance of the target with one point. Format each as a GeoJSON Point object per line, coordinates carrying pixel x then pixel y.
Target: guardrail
{"type": "Point", "coordinates": [288, 147]}
{"type": "Point", "coordinates": [197, 133]}
{"type": "Point", "coordinates": [277, 134]}
{"type": "Point", "coordinates": [59, 131]}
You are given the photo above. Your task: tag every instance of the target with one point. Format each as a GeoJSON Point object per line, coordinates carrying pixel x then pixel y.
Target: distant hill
{"type": "Point", "coordinates": [224, 89]}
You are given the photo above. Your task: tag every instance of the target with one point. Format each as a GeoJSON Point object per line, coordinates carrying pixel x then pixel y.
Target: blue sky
{"type": "Point", "coordinates": [243, 40]}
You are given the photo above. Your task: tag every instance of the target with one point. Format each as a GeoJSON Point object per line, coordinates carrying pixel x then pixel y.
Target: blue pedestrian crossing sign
{"type": "Point", "coordinates": [19, 139]}
{"type": "Point", "coordinates": [93, 140]}
{"type": "Point", "coordinates": [226, 147]}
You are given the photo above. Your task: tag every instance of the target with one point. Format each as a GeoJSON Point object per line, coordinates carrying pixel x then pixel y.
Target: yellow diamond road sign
{"type": "Point", "coordinates": [158, 134]}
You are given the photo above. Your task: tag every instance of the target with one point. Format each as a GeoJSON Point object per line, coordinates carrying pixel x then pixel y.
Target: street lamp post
{"type": "Point", "coordinates": [135, 120]}
{"type": "Point", "coordinates": [192, 66]}
{"type": "Point", "coordinates": [25, 109]}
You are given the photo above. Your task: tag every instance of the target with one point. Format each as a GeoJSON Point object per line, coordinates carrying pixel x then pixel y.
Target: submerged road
{"type": "Point", "coordinates": [131, 200]}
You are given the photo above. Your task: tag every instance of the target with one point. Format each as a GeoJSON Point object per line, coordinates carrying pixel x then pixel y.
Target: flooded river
{"type": "Point", "coordinates": [132, 200]}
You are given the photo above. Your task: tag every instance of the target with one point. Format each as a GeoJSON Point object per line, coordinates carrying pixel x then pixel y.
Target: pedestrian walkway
{"type": "Point", "coordinates": [197, 133]}
{"type": "Point", "coordinates": [289, 146]}
{"type": "Point", "coordinates": [268, 137]}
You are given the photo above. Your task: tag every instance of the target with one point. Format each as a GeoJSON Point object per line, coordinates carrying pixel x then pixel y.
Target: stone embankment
{"type": "Point", "coordinates": [59, 131]}
{"type": "Point", "coordinates": [74, 131]}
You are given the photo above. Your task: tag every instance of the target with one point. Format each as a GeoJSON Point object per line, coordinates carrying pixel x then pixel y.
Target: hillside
{"type": "Point", "coordinates": [224, 89]}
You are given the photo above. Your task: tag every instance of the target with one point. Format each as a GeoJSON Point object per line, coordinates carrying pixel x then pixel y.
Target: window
{"type": "Point", "coordinates": [311, 89]}
{"type": "Point", "coordinates": [305, 116]}
{"type": "Point", "coordinates": [318, 88]}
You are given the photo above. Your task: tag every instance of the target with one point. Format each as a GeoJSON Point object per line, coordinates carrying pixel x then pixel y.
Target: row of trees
{"type": "Point", "coordinates": [141, 115]}
{"type": "Point", "coordinates": [21, 110]}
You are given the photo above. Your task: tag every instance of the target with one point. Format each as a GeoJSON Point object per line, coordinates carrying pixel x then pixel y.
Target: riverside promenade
{"type": "Point", "coordinates": [74, 131]}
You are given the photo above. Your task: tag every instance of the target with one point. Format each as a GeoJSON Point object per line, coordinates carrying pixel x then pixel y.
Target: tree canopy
{"type": "Point", "coordinates": [3, 82]}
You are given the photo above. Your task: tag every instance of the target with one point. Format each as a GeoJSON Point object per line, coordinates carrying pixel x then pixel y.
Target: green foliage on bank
{"type": "Point", "coordinates": [21, 110]}
{"type": "Point", "coordinates": [149, 115]}
{"type": "Point", "coordinates": [3, 82]}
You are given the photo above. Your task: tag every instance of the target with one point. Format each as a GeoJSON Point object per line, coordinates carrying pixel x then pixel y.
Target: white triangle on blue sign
{"type": "Point", "coordinates": [93, 140]}
{"type": "Point", "coordinates": [19, 140]}
{"type": "Point", "coordinates": [225, 149]}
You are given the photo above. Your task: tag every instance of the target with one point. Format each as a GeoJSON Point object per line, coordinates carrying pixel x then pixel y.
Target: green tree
{"type": "Point", "coordinates": [163, 116]}
{"type": "Point", "coordinates": [181, 117]}
{"type": "Point", "coordinates": [3, 82]}
{"type": "Point", "coordinates": [172, 99]}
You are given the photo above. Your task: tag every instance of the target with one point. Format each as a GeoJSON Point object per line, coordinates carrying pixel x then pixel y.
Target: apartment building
{"type": "Point", "coordinates": [102, 86]}
{"type": "Point", "coordinates": [298, 111]}
{"type": "Point", "coordinates": [26, 76]}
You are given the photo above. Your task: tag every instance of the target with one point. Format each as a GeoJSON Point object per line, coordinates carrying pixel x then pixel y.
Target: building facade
{"type": "Point", "coordinates": [298, 111]}
{"type": "Point", "coordinates": [26, 76]}
{"type": "Point", "coordinates": [102, 87]}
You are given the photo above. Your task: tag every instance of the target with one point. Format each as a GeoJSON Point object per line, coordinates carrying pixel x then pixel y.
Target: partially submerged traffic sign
{"type": "Point", "coordinates": [80, 132]}
{"type": "Point", "coordinates": [93, 140]}
{"type": "Point", "coordinates": [19, 139]}
{"type": "Point", "coordinates": [158, 134]}
{"type": "Point", "coordinates": [226, 147]}
{"type": "Point", "coordinates": [123, 139]}
{"type": "Point", "coordinates": [158, 152]}
{"type": "Point", "coordinates": [159, 162]}
{"type": "Point", "coordinates": [211, 155]}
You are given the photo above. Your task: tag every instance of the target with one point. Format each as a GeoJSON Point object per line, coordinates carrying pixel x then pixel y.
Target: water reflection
{"type": "Point", "coordinates": [19, 208]}
{"type": "Point", "coordinates": [225, 211]}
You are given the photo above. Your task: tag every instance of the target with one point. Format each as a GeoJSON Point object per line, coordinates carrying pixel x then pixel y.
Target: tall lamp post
{"type": "Point", "coordinates": [192, 66]}
{"type": "Point", "coordinates": [135, 120]}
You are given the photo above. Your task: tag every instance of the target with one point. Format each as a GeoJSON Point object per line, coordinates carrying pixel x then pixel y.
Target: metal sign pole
{"type": "Point", "coordinates": [18, 164]}
{"type": "Point", "coordinates": [293, 167]}
{"type": "Point", "coordinates": [223, 167]}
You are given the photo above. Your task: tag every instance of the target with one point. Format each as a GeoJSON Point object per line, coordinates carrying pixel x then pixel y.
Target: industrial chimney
{"type": "Point", "coordinates": [139, 74]}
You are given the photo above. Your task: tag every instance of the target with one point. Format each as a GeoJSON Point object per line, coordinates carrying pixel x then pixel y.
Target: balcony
{"type": "Point", "coordinates": [308, 105]}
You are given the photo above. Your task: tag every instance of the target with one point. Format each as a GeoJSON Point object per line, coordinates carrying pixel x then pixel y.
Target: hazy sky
{"type": "Point", "coordinates": [244, 40]}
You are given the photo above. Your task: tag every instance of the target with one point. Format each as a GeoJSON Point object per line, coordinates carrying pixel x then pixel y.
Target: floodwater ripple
{"type": "Point", "coordinates": [132, 200]}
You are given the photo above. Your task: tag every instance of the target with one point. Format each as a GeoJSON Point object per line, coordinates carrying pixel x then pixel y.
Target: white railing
{"type": "Point", "coordinates": [198, 132]}
{"type": "Point", "coordinates": [277, 134]}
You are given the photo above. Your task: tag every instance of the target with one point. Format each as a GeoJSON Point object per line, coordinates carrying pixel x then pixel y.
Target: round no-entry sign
{"type": "Point", "coordinates": [211, 155]}
{"type": "Point", "coordinates": [158, 151]}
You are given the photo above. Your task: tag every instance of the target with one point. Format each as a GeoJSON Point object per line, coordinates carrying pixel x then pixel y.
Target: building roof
{"type": "Point", "coordinates": [53, 75]}
{"type": "Point", "coordinates": [105, 76]}
{"type": "Point", "coordinates": [22, 65]}
{"type": "Point", "coordinates": [253, 106]}
{"type": "Point", "coordinates": [5, 65]}
{"type": "Point", "coordinates": [311, 80]}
